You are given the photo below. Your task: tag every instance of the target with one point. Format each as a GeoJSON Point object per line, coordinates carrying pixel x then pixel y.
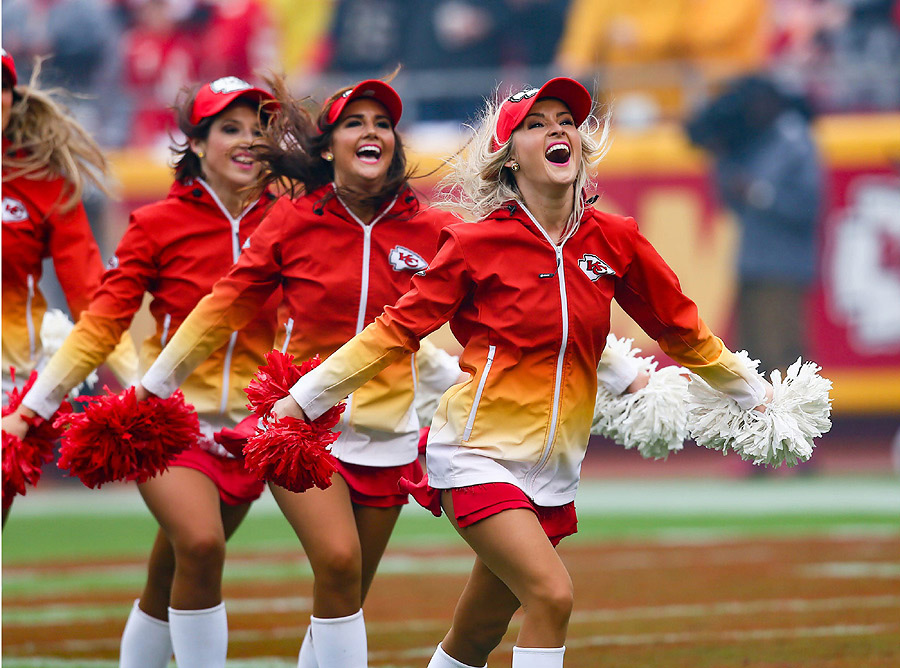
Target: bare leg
{"type": "Point", "coordinates": [326, 526]}
{"type": "Point", "coordinates": [186, 504]}
{"type": "Point", "coordinates": [374, 526]}
{"type": "Point", "coordinates": [514, 548]}
{"type": "Point", "coordinates": [481, 617]}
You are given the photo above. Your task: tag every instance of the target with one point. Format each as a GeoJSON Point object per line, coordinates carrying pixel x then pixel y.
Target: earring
{"type": "Point", "coordinates": [328, 156]}
{"type": "Point", "coordinates": [201, 154]}
{"type": "Point", "coordinates": [514, 166]}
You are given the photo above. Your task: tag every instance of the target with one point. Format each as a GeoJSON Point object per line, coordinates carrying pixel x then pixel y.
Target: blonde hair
{"type": "Point", "coordinates": [47, 142]}
{"type": "Point", "coordinates": [479, 182]}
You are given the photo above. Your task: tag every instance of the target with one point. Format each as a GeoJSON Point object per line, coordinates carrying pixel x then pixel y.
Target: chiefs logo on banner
{"type": "Point", "coordinates": [403, 259]}
{"type": "Point", "coordinates": [14, 211]}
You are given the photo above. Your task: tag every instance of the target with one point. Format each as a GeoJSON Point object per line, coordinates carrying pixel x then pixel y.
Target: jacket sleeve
{"type": "Point", "coordinates": [433, 298]}
{"type": "Point", "coordinates": [76, 258]}
{"type": "Point", "coordinates": [616, 371]}
{"type": "Point", "coordinates": [650, 293]}
{"type": "Point", "coordinates": [103, 324]}
{"type": "Point", "coordinates": [234, 301]}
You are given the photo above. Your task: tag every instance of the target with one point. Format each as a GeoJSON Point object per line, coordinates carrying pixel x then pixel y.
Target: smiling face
{"type": "Point", "coordinates": [362, 143]}
{"type": "Point", "coordinates": [547, 147]}
{"type": "Point", "coordinates": [228, 163]}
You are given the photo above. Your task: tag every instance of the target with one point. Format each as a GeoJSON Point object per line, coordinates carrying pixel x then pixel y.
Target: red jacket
{"type": "Point", "coordinates": [337, 275]}
{"type": "Point", "coordinates": [532, 317]}
{"type": "Point", "coordinates": [174, 249]}
{"type": "Point", "coordinates": [34, 228]}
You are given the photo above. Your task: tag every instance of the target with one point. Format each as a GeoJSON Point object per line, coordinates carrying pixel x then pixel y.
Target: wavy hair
{"type": "Point", "coordinates": [46, 142]}
{"type": "Point", "coordinates": [479, 182]}
{"type": "Point", "coordinates": [291, 148]}
{"type": "Point", "coordinates": [185, 161]}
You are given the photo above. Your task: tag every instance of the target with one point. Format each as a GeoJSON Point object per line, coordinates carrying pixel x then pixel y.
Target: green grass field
{"type": "Point", "coordinates": [76, 557]}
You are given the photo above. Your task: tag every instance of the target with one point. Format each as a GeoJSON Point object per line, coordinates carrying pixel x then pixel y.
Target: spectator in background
{"type": "Point", "coordinates": [534, 30]}
{"type": "Point", "coordinates": [241, 35]}
{"type": "Point", "coordinates": [158, 60]}
{"type": "Point", "coordinates": [80, 39]}
{"type": "Point", "coordinates": [768, 171]}
{"type": "Point", "coordinates": [366, 36]}
{"type": "Point", "coordinates": [717, 39]}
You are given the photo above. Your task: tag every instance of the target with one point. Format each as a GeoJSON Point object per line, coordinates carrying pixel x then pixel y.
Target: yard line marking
{"type": "Point", "coordinates": [53, 613]}
{"type": "Point", "coordinates": [841, 630]}
{"type": "Point", "coordinates": [852, 570]}
{"type": "Point", "coordinates": [579, 617]}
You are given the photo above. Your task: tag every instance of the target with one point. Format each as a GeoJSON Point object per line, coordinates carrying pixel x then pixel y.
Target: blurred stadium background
{"type": "Point", "coordinates": [655, 62]}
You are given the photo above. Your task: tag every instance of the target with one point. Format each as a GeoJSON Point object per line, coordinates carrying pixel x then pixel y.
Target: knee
{"type": "Point", "coordinates": [555, 599]}
{"type": "Point", "coordinates": [339, 567]}
{"type": "Point", "coordinates": [203, 551]}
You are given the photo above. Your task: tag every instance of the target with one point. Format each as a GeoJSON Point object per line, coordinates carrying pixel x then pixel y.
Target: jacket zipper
{"type": "Point", "coordinates": [29, 318]}
{"type": "Point", "coordinates": [235, 254]}
{"type": "Point", "coordinates": [167, 322]}
{"type": "Point", "coordinates": [467, 432]}
{"type": "Point", "coordinates": [288, 330]}
{"type": "Point", "coordinates": [557, 384]}
{"type": "Point", "coordinates": [364, 284]}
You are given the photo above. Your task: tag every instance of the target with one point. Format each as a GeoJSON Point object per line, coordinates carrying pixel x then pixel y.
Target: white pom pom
{"type": "Point", "coordinates": [799, 412]}
{"type": "Point", "coordinates": [55, 327]}
{"type": "Point", "coordinates": [653, 419]}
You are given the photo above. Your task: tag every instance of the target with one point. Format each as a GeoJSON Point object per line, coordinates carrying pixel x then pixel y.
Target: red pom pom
{"type": "Point", "coordinates": [274, 380]}
{"type": "Point", "coordinates": [291, 453]}
{"type": "Point", "coordinates": [24, 458]}
{"type": "Point", "coordinates": [118, 437]}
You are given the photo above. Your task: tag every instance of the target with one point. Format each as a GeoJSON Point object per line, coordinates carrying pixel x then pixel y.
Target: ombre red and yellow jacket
{"type": "Point", "coordinates": [34, 228]}
{"type": "Point", "coordinates": [532, 317]}
{"type": "Point", "coordinates": [337, 274]}
{"type": "Point", "coordinates": [175, 250]}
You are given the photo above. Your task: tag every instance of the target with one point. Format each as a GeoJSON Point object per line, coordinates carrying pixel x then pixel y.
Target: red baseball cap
{"type": "Point", "coordinates": [370, 88]}
{"type": "Point", "coordinates": [516, 107]}
{"type": "Point", "coordinates": [9, 66]}
{"type": "Point", "coordinates": [218, 94]}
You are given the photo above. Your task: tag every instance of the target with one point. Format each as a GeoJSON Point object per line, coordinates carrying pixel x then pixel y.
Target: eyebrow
{"type": "Point", "coordinates": [541, 114]}
{"type": "Point", "coordinates": [360, 116]}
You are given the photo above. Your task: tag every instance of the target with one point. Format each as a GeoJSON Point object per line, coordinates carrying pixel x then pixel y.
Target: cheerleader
{"type": "Point", "coordinates": [175, 250]}
{"type": "Point", "coordinates": [47, 160]}
{"type": "Point", "coordinates": [527, 291]}
{"type": "Point", "coordinates": [340, 253]}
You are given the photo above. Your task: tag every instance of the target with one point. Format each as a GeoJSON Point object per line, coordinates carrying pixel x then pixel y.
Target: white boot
{"type": "Point", "coordinates": [340, 642]}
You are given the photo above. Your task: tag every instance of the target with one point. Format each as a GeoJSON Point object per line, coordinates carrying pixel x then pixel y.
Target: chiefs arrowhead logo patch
{"type": "Point", "coordinates": [14, 211]}
{"type": "Point", "coordinates": [403, 259]}
{"type": "Point", "coordinates": [593, 267]}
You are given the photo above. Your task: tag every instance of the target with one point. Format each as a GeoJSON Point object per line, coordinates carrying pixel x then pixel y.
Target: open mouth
{"type": "Point", "coordinates": [369, 153]}
{"type": "Point", "coordinates": [243, 160]}
{"type": "Point", "coordinates": [558, 153]}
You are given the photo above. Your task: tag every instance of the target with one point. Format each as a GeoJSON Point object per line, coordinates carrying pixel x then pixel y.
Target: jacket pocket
{"type": "Point", "coordinates": [467, 432]}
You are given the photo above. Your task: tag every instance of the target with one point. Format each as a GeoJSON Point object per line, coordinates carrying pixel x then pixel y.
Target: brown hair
{"type": "Point", "coordinates": [292, 149]}
{"type": "Point", "coordinates": [187, 163]}
{"type": "Point", "coordinates": [47, 142]}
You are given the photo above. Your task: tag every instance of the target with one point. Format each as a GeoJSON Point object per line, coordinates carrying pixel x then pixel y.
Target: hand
{"type": "Point", "coordinates": [639, 383]}
{"type": "Point", "coordinates": [287, 407]}
{"type": "Point", "coordinates": [770, 391]}
{"type": "Point", "coordinates": [142, 393]}
{"type": "Point", "coordinates": [15, 424]}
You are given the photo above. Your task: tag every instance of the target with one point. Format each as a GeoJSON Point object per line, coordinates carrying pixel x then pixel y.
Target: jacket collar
{"type": "Point", "coordinates": [324, 199]}
{"type": "Point", "coordinates": [193, 190]}
{"type": "Point", "coordinates": [515, 210]}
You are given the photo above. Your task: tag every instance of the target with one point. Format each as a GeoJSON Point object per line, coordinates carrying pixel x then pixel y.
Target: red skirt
{"type": "Point", "coordinates": [377, 486]}
{"type": "Point", "coordinates": [236, 484]}
{"type": "Point", "coordinates": [474, 503]}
